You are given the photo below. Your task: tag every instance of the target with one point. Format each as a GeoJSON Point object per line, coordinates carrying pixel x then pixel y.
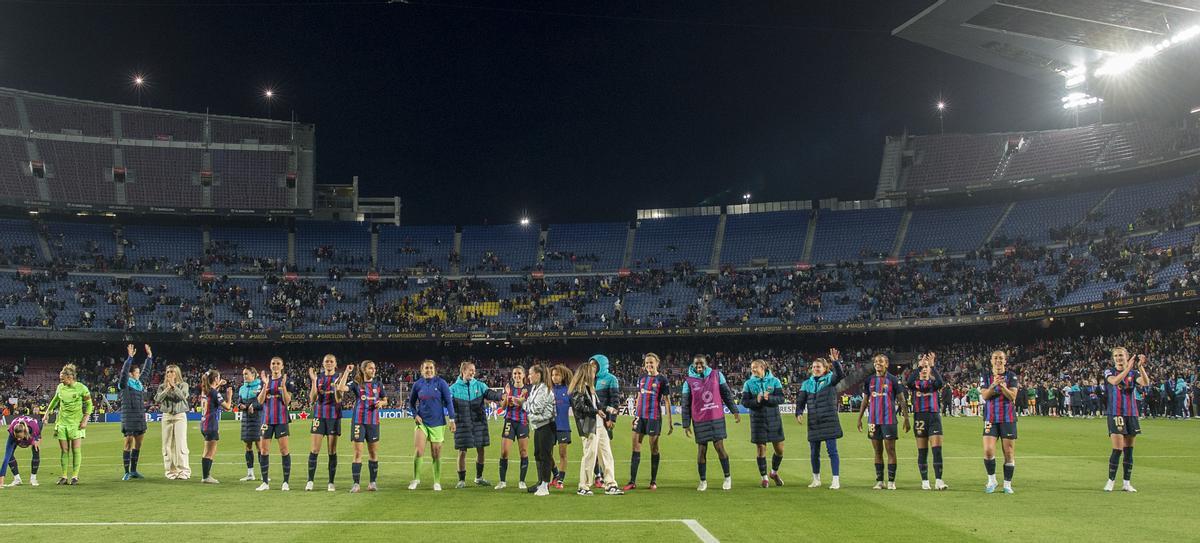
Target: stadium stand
{"type": "Point", "coordinates": [776, 238]}
{"type": "Point", "coordinates": [422, 247]}
{"type": "Point", "coordinates": [600, 246]}
{"type": "Point", "coordinates": [499, 248]}
{"type": "Point", "coordinates": [953, 230]}
{"type": "Point", "coordinates": [321, 245]}
{"type": "Point", "coordinates": [855, 235]}
{"type": "Point", "coordinates": [671, 241]}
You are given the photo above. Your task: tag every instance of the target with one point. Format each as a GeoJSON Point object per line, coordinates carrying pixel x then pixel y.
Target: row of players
{"type": "Point", "coordinates": [544, 398]}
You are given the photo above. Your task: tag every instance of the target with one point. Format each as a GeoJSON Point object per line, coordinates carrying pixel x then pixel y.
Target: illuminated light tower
{"type": "Point", "coordinates": [941, 112]}
{"type": "Point", "coordinates": [139, 83]}
{"type": "Point", "coordinates": [524, 221]}
{"type": "Point", "coordinates": [746, 198]}
{"type": "Point", "coordinates": [269, 96]}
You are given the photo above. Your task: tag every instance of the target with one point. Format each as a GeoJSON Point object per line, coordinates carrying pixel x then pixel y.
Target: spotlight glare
{"type": "Point", "coordinates": [524, 221]}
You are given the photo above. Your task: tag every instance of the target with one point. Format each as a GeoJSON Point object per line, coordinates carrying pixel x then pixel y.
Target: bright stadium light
{"type": "Point", "coordinates": [138, 81]}
{"type": "Point", "coordinates": [524, 221]}
{"type": "Point", "coordinates": [746, 197]}
{"type": "Point", "coordinates": [1076, 100]}
{"type": "Point", "coordinates": [1121, 63]}
{"type": "Point", "coordinates": [269, 96]}
{"type": "Point", "coordinates": [940, 106]}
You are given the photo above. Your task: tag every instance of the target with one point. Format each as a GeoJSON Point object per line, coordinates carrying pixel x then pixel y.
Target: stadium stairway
{"type": "Point", "coordinates": [901, 232]}
{"type": "Point", "coordinates": [457, 264]}
{"type": "Point", "coordinates": [1099, 205]}
{"type": "Point", "coordinates": [999, 223]}
{"type": "Point", "coordinates": [628, 256]}
{"type": "Point", "coordinates": [808, 236]}
{"type": "Point", "coordinates": [715, 262]}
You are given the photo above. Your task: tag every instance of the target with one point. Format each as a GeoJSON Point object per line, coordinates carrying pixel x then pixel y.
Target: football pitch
{"type": "Point", "coordinates": [1061, 467]}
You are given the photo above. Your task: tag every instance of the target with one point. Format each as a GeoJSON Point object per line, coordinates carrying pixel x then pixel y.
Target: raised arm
{"type": "Point", "coordinates": [148, 364]}
{"type": "Point", "coordinates": [1118, 378]}
{"type": "Point", "coordinates": [1143, 377]}
{"type": "Point", "coordinates": [123, 380]}
{"type": "Point", "coordinates": [228, 397]}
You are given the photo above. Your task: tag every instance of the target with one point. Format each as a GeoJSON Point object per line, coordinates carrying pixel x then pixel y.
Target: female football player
{"type": "Point", "coordinates": [133, 408]}
{"type": "Point", "coordinates": [73, 401]}
{"type": "Point", "coordinates": [433, 408]}
{"type": "Point", "coordinates": [274, 397]}
{"type": "Point", "coordinates": [998, 390]}
{"type": "Point", "coordinates": [1122, 381]}
{"type": "Point", "coordinates": [251, 416]}
{"type": "Point", "coordinates": [516, 426]}
{"type": "Point", "coordinates": [926, 384]}
{"type": "Point", "coordinates": [471, 428]}
{"type": "Point", "coordinates": [762, 394]}
{"type": "Point", "coordinates": [325, 393]}
{"type": "Point", "coordinates": [369, 398]}
{"type": "Point", "coordinates": [210, 422]}
{"type": "Point", "coordinates": [884, 393]}
{"type": "Point", "coordinates": [818, 396]}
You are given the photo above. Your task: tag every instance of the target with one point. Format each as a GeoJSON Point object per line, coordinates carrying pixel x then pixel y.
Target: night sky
{"type": "Point", "coordinates": [473, 112]}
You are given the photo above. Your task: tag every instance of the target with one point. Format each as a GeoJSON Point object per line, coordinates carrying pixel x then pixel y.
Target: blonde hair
{"type": "Point", "coordinates": [462, 367]}
{"type": "Point", "coordinates": [68, 370]}
{"type": "Point", "coordinates": [760, 362]}
{"type": "Point", "coordinates": [1119, 348]}
{"type": "Point", "coordinates": [657, 360]}
{"type": "Point", "coordinates": [820, 361]}
{"type": "Point", "coordinates": [583, 380]}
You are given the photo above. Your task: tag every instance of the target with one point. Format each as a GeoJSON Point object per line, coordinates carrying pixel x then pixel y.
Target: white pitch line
{"type": "Point", "coordinates": [698, 529]}
{"type": "Point", "coordinates": [704, 535]}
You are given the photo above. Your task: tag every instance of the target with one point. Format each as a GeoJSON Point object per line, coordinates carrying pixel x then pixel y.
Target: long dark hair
{"type": "Point", "coordinates": [209, 380]}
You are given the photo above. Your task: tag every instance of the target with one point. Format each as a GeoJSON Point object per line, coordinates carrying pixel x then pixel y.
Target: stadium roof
{"type": "Point", "coordinates": [1045, 39]}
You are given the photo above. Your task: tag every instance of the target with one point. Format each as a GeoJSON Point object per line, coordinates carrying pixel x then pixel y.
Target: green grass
{"type": "Point", "coordinates": [1061, 465]}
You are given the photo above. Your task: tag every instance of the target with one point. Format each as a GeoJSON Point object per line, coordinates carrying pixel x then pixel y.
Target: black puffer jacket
{"type": "Point", "coordinates": [584, 405]}
{"type": "Point", "coordinates": [822, 406]}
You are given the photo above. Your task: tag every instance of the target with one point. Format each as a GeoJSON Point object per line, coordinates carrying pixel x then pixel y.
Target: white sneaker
{"type": "Point", "coordinates": [521, 485]}
{"type": "Point", "coordinates": [891, 485]}
{"type": "Point", "coordinates": [437, 487]}
{"type": "Point", "coordinates": [925, 485]}
{"type": "Point", "coordinates": [878, 485]}
{"type": "Point", "coordinates": [703, 486]}
{"type": "Point", "coordinates": [502, 485]}
{"type": "Point", "coordinates": [414, 484]}
{"type": "Point", "coordinates": [33, 480]}
{"type": "Point", "coordinates": [331, 488]}
{"type": "Point", "coordinates": [542, 490]}
{"type": "Point", "coordinates": [836, 484]}
{"type": "Point", "coordinates": [308, 486]}
{"type": "Point", "coordinates": [1108, 486]}
{"type": "Point", "coordinates": [727, 484]}
{"type": "Point", "coordinates": [939, 485]}
{"type": "Point", "coordinates": [1128, 487]}
{"type": "Point", "coordinates": [284, 487]}
{"type": "Point", "coordinates": [209, 481]}
{"type": "Point", "coordinates": [262, 487]}
{"type": "Point", "coordinates": [816, 482]}
{"type": "Point", "coordinates": [248, 477]}
{"type": "Point", "coordinates": [15, 482]}
{"type": "Point", "coordinates": [460, 484]}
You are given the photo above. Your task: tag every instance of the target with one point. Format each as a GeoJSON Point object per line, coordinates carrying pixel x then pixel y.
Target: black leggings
{"type": "Point", "coordinates": [543, 451]}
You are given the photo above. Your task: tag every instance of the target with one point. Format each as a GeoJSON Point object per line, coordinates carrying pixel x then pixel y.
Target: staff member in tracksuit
{"type": "Point", "coordinates": [471, 431]}
{"type": "Point", "coordinates": [133, 408]}
{"type": "Point", "coordinates": [705, 397]}
{"type": "Point", "coordinates": [608, 393]}
{"type": "Point", "coordinates": [818, 395]}
{"type": "Point", "coordinates": [762, 394]}
{"type": "Point", "coordinates": [251, 412]}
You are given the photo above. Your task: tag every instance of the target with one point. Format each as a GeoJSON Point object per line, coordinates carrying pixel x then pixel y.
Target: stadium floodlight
{"type": "Point", "coordinates": [524, 221]}
{"type": "Point", "coordinates": [268, 95]}
{"type": "Point", "coordinates": [746, 197]}
{"type": "Point", "coordinates": [138, 80]}
{"type": "Point", "coordinates": [940, 106]}
{"type": "Point", "coordinates": [1076, 100]}
{"type": "Point", "coordinates": [1121, 63]}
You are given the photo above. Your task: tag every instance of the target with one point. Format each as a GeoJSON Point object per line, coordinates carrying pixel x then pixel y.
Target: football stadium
{"type": "Point", "coordinates": [908, 271]}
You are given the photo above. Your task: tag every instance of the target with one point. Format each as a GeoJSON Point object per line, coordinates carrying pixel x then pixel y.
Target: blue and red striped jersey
{"type": "Point", "coordinates": [211, 418]}
{"type": "Point", "coordinates": [1122, 401]}
{"type": "Point", "coordinates": [273, 409]}
{"type": "Point", "coordinates": [514, 413]}
{"type": "Point", "coordinates": [882, 395]}
{"type": "Point", "coordinates": [925, 392]}
{"type": "Point", "coordinates": [651, 391]}
{"type": "Point", "coordinates": [365, 397]}
{"type": "Point", "coordinates": [999, 408]}
{"type": "Point", "coordinates": [327, 406]}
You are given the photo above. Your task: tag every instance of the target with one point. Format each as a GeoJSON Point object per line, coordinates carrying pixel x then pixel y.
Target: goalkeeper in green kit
{"type": "Point", "coordinates": [74, 403]}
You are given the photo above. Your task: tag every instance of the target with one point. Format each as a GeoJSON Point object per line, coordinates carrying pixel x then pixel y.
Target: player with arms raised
{"type": "Point", "coordinates": [133, 408]}
{"type": "Point", "coordinates": [925, 382]}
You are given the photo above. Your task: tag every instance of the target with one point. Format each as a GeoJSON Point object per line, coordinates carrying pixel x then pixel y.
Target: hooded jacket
{"type": "Point", "coordinates": [608, 388]}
